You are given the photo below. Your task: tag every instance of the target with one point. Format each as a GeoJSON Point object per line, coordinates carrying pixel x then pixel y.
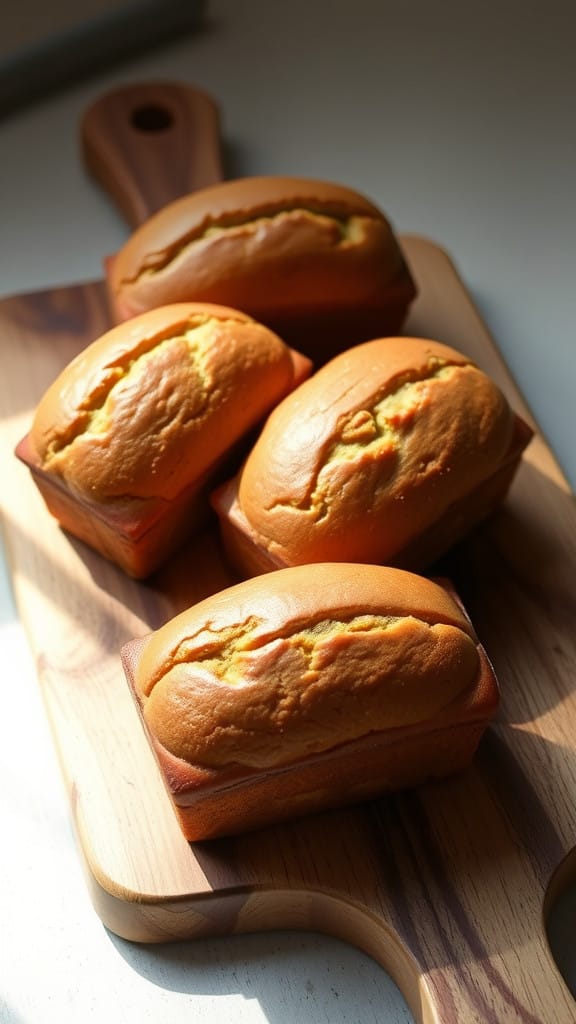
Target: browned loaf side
{"type": "Point", "coordinates": [390, 453]}
{"type": "Point", "coordinates": [316, 261]}
{"type": "Point", "coordinates": [127, 441]}
{"type": "Point", "coordinates": [309, 687]}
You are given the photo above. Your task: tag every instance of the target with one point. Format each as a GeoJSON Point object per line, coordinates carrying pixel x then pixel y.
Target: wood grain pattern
{"type": "Point", "coordinates": [446, 886]}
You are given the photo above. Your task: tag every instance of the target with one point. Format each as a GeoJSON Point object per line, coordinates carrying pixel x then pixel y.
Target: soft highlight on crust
{"type": "Point", "coordinates": [149, 406]}
{"type": "Point", "coordinates": [229, 205]}
{"type": "Point", "coordinates": [371, 451]}
{"type": "Point", "coordinates": [338, 229]}
{"type": "Point", "coordinates": [301, 661]}
{"type": "Point", "coordinates": [294, 253]}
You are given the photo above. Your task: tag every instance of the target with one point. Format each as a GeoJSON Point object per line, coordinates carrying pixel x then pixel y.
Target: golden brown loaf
{"type": "Point", "coordinates": [150, 406]}
{"type": "Point", "coordinates": [309, 688]}
{"type": "Point", "coordinates": [372, 451]}
{"type": "Point", "coordinates": [297, 662]}
{"type": "Point", "coordinates": [305, 257]}
{"type": "Point", "coordinates": [128, 442]}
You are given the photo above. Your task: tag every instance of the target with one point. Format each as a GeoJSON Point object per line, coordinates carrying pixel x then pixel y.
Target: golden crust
{"type": "Point", "coordinates": [297, 662]}
{"type": "Point", "coordinates": [372, 450]}
{"type": "Point", "coordinates": [282, 249]}
{"type": "Point", "coordinates": [148, 407]}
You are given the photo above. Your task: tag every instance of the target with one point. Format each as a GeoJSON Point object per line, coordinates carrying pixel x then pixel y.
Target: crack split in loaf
{"type": "Point", "coordinates": [390, 453]}
{"type": "Point", "coordinates": [274, 669]}
{"type": "Point", "coordinates": [316, 261]}
{"type": "Point", "coordinates": [313, 686]}
{"type": "Point", "coordinates": [136, 426]}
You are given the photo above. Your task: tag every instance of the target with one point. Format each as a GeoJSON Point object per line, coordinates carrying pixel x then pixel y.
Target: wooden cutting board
{"type": "Point", "coordinates": [448, 886]}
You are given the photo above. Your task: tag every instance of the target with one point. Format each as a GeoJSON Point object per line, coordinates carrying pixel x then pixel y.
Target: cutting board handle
{"type": "Point", "coordinates": [147, 144]}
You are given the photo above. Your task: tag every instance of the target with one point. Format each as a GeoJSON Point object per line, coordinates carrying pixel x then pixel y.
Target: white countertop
{"type": "Point", "coordinates": [459, 122]}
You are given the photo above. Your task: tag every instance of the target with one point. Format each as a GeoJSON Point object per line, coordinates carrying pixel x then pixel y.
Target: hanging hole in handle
{"type": "Point", "coordinates": [151, 118]}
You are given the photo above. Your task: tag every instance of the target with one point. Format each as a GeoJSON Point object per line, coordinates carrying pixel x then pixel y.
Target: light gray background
{"type": "Point", "coordinates": [458, 119]}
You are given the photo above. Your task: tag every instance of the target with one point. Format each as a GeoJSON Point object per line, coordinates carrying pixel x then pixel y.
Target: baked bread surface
{"type": "Point", "coordinates": [282, 249]}
{"type": "Point", "coordinates": [368, 453]}
{"type": "Point", "coordinates": [295, 663]}
{"type": "Point", "coordinates": [153, 403]}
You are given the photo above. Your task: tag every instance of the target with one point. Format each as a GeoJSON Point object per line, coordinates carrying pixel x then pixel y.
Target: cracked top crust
{"type": "Point", "coordinates": [370, 452]}
{"type": "Point", "coordinates": [275, 247]}
{"type": "Point", "coordinates": [301, 660]}
{"type": "Point", "coordinates": [147, 408]}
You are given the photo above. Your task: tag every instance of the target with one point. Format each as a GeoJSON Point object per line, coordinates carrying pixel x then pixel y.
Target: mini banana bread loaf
{"type": "Point", "coordinates": [307, 688]}
{"type": "Point", "coordinates": [315, 261]}
{"type": "Point", "coordinates": [390, 453]}
{"type": "Point", "coordinates": [127, 442]}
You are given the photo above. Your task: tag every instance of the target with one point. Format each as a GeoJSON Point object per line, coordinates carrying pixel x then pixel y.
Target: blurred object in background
{"type": "Point", "coordinates": [52, 45]}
